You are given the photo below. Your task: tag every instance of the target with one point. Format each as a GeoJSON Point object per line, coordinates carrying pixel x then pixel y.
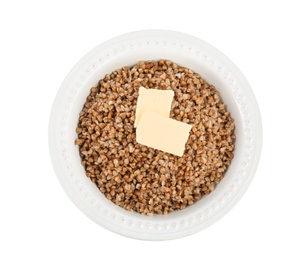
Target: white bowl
{"type": "Point", "coordinates": [127, 50]}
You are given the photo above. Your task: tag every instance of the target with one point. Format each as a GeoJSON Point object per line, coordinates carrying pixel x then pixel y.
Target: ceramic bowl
{"type": "Point", "coordinates": [126, 50]}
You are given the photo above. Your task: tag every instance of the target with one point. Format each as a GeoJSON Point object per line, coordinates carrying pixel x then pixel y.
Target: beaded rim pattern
{"type": "Point", "coordinates": [146, 228]}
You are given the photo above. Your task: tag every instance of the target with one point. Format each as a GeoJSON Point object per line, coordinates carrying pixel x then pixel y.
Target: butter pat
{"type": "Point", "coordinates": [165, 134]}
{"type": "Point", "coordinates": [153, 100]}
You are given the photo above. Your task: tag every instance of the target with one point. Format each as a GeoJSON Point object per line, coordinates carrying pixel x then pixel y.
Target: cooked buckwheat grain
{"type": "Point", "coordinates": [140, 178]}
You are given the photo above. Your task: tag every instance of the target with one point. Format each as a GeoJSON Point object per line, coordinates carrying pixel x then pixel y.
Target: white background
{"type": "Point", "coordinates": [40, 43]}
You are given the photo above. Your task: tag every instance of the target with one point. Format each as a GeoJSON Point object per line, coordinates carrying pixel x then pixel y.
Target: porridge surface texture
{"type": "Point", "coordinates": [143, 179]}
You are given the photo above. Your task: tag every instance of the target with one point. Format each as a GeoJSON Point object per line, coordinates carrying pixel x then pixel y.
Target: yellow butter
{"type": "Point", "coordinates": [165, 134]}
{"type": "Point", "coordinates": [153, 100]}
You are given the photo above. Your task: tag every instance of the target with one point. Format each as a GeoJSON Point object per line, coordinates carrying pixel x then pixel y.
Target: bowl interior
{"type": "Point", "coordinates": [197, 65]}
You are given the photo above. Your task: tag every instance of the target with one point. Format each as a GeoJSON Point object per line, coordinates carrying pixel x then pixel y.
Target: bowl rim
{"type": "Point", "coordinates": [145, 234]}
